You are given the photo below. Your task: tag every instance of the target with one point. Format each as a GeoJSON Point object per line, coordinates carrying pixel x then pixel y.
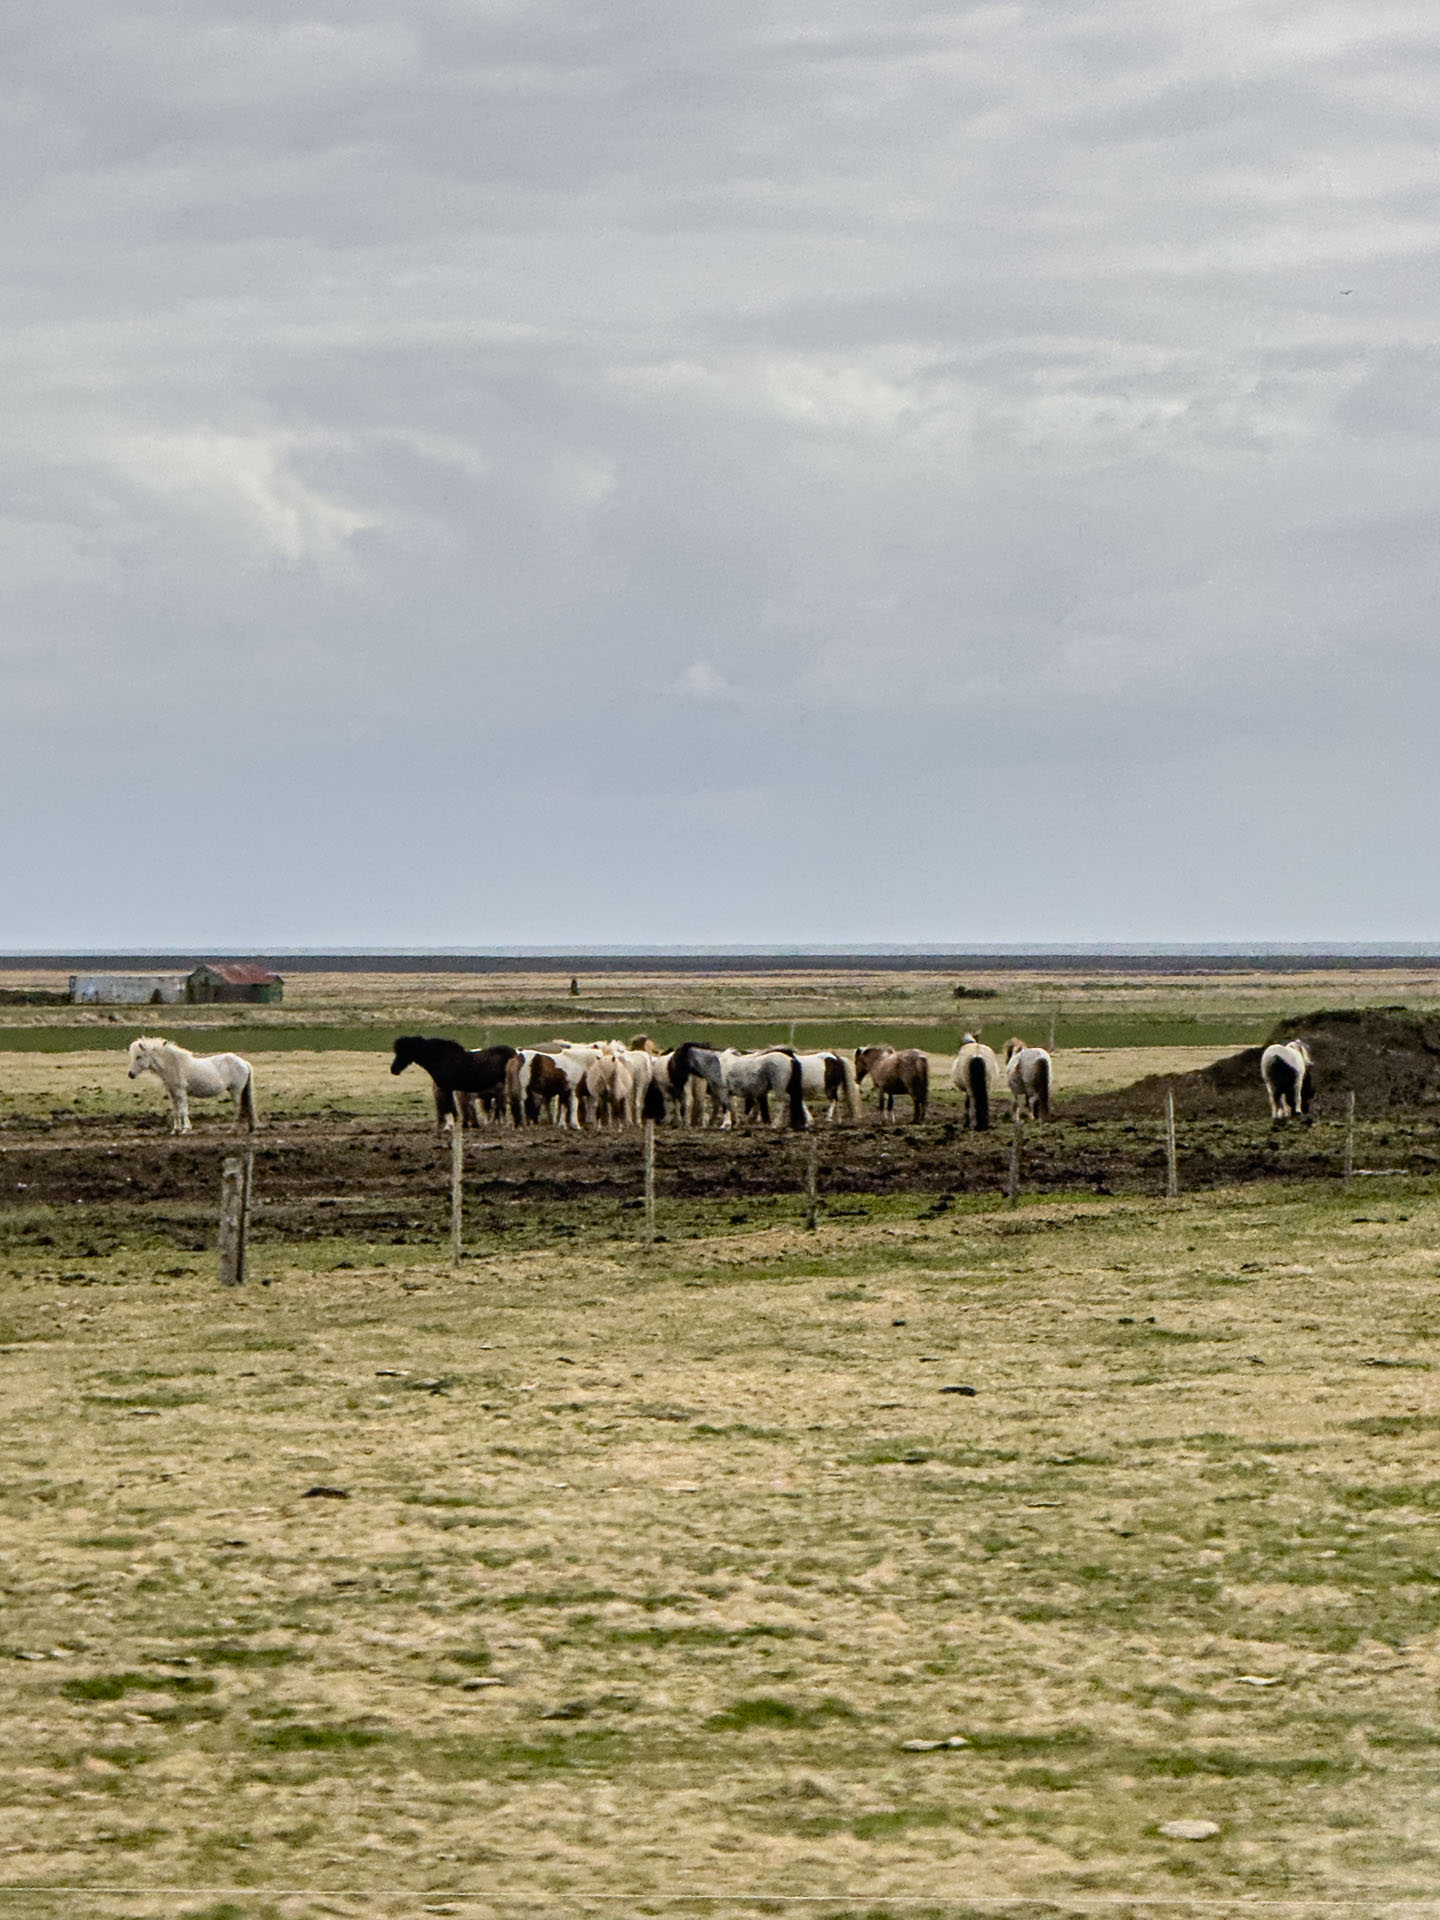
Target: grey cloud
{"type": "Point", "coordinates": [715, 442]}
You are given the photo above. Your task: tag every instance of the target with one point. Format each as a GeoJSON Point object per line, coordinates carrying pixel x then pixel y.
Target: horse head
{"type": "Point", "coordinates": [1012, 1047]}
{"type": "Point", "coordinates": [407, 1051]}
{"type": "Point", "coordinates": [141, 1057]}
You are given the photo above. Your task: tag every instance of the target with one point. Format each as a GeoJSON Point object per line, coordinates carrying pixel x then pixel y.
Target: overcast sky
{"type": "Point", "coordinates": [502, 471]}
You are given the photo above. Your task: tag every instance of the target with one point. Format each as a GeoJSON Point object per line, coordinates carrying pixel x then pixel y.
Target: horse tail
{"type": "Point", "coordinates": [247, 1099]}
{"type": "Point", "coordinates": [680, 1067]}
{"type": "Point", "coordinates": [1042, 1086]}
{"type": "Point", "coordinates": [853, 1098]}
{"type": "Point", "coordinates": [921, 1094]}
{"type": "Point", "coordinates": [979, 1078]}
{"type": "Point", "coordinates": [799, 1118]}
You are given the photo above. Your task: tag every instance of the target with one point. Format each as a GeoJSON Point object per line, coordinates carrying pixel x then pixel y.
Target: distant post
{"type": "Point", "coordinates": [649, 1183]}
{"type": "Point", "coordinates": [457, 1187]}
{"type": "Point", "coordinates": [812, 1181]}
{"type": "Point", "coordinates": [1348, 1169]}
{"type": "Point", "coordinates": [1172, 1165]}
{"type": "Point", "coordinates": [235, 1179]}
{"type": "Point", "coordinates": [1012, 1184]}
{"type": "Point", "coordinates": [1054, 1021]}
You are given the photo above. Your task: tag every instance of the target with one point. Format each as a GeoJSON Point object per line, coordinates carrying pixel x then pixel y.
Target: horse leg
{"type": "Point", "coordinates": [181, 1122]}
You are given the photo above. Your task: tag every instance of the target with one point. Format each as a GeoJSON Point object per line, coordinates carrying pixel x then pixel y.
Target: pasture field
{"type": "Point", "coordinates": [592, 1577]}
{"type": "Point", "coordinates": [597, 1578]}
{"type": "Point", "coordinates": [1090, 1010]}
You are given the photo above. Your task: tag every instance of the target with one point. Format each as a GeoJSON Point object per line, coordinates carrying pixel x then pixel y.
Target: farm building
{"type": "Point", "coordinates": [234, 980]}
{"type": "Point", "coordinates": [127, 989]}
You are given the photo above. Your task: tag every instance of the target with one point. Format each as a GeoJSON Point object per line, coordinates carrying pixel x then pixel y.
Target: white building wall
{"type": "Point", "coordinates": [126, 989]}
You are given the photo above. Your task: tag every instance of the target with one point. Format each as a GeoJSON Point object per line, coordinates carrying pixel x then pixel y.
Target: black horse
{"type": "Point", "coordinates": [457, 1070]}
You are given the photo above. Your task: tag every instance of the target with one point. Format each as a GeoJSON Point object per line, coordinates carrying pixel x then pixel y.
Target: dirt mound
{"type": "Point", "coordinates": [1388, 1056]}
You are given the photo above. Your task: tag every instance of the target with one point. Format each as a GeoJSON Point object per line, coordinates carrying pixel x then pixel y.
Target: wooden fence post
{"type": "Point", "coordinates": [812, 1181]}
{"type": "Point", "coordinates": [1172, 1165]}
{"type": "Point", "coordinates": [457, 1187]}
{"type": "Point", "coordinates": [1012, 1184]}
{"type": "Point", "coordinates": [235, 1177]}
{"type": "Point", "coordinates": [1348, 1168]}
{"type": "Point", "coordinates": [649, 1183]}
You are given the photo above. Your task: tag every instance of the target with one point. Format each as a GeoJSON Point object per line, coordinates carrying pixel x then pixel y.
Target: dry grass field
{"type": "Point", "coordinates": [650, 1563]}
{"type": "Point", "coordinates": [596, 1578]}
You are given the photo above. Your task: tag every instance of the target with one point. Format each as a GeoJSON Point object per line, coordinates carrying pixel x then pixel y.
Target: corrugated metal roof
{"type": "Point", "coordinates": [241, 974]}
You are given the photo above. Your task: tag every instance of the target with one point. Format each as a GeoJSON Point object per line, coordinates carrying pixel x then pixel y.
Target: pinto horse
{"type": "Point", "coordinates": [907, 1071]}
{"type": "Point", "coordinates": [1289, 1081]}
{"type": "Point", "coordinates": [831, 1077]}
{"type": "Point", "coordinates": [1029, 1073]}
{"type": "Point", "coordinates": [456, 1070]}
{"type": "Point", "coordinates": [694, 1060]}
{"type": "Point", "coordinates": [182, 1074]}
{"type": "Point", "coordinates": [533, 1080]}
{"type": "Point", "coordinates": [976, 1073]}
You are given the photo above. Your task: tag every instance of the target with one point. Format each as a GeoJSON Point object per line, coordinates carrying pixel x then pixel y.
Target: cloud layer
{"type": "Point", "coordinates": [484, 472]}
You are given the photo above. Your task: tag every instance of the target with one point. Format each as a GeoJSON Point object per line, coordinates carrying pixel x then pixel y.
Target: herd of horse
{"type": "Point", "coordinates": [617, 1083]}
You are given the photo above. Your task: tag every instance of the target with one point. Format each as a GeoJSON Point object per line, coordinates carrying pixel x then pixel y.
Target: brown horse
{"type": "Point", "coordinates": [907, 1071]}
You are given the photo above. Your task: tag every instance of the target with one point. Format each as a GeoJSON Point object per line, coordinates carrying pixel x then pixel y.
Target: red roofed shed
{"type": "Point", "coordinates": [234, 980]}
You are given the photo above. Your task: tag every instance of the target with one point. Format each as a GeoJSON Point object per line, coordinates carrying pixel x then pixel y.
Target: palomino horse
{"type": "Point", "coordinates": [1286, 1071]}
{"type": "Point", "coordinates": [182, 1074]}
{"type": "Point", "coordinates": [1030, 1074]}
{"type": "Point", "coordinates": [976, 1074]}
{"type": "Point", "coordinates": [610, 1081]}
{"type": "Point", "coordinates": [456, 1071]}
{"type": "Point", "coordinates": [907, 1071]}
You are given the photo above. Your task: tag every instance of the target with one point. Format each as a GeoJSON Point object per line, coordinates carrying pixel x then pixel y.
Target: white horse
{"type": "Point", "coordinates": [976, 1074]}
{"type": "Point", "coordinates": [1288, 1080]}
{"type": "Point", "coordinates": [207, 1076]}
{"type": "Point", "coordinates": [755, 1076]}
{"type": "Point", "coordinates": [1029, 1073]}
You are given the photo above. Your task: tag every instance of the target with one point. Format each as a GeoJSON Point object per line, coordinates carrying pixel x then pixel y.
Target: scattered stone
{"type": "Point", "coordinates": [390, 1373]}
{"type": "Point", "coordinates": [1190, 1829]}
{"type": "Point", "coordinates": [325, 1493]}
{"type": "Point", "coordinates": [480, 1682]}
{"type": "Point", "coordinates": [934, 1746]}
{"type": "Point", "coordinates": [969, 1392]}
{"type": "Point", "coordinates": [1259, 1680]}
{"type": "Point", "coordinates": [570, 1710]}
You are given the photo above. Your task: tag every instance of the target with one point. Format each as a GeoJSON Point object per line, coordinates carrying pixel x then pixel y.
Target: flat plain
{"type": "Point", "coordinates": [597, 1577]}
